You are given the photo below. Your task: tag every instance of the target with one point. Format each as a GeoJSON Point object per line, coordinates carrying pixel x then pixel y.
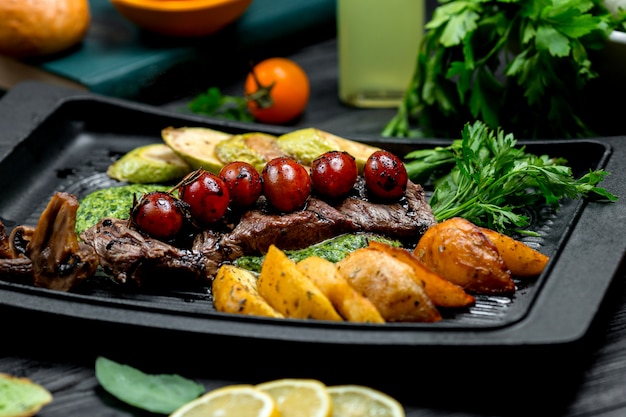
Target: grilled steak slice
{"type": "Point", "coordinates": [257, 229]}
{"type": "Point", "coordinates": [60, 261]}
{"type": "Point", "coordinates": [407, 219]}
{"type": "Point", "coordinates": [131, 257]}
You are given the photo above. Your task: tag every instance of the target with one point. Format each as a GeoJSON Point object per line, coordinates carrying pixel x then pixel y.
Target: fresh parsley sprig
{"type": "Point", "coordinates": [485, 178]}
{"type": "Point", "coordinates": [215, 104]}
{"type": "Point", "coordinates": [517, 64]}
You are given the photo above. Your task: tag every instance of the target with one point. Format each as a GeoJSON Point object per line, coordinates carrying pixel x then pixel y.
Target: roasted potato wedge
{"type": "Point", "coordinates": [389, 284]}
{"type": "Point", "coordinates": [347, 301]}
{"type": "Point", "coordinates": [235, 291]}
{"type": "Point", "coordinates": [442, 292]}
{"type": "Point", "coordinates": [460, 252]}
{"type": "Point", "coordinates": [522, 260]}
{"type": "Point", "coordinates": [288, 290]}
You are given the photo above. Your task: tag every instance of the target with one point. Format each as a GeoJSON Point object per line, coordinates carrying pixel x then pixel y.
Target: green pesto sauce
{"type": "Point", "coordinates": [114, 202]}
{"type": "Point", "coordinates": [334, 250]}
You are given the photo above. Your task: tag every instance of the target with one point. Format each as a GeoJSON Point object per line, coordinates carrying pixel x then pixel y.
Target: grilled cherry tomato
{"type": "Point", "coordinates": [286, 184]}
{"type": "Point", "coordinates": [277, 90]}
{"type": "Point", "coordinates": [244, 183]}
{"type": "Point", "coordinates": [385, 175]}
{"type": "Point", "coordinates": [159, 214]}
{"type": "Point", "coordinates": [334, 173]}
{"type": "Point", "coordinates": [206, 194]}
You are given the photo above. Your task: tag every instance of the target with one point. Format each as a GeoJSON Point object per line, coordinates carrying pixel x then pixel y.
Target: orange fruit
{"type": "Point", "coordinates": [41, 27]}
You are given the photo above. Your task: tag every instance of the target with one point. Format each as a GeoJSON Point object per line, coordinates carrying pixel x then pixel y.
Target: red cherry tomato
{"type": "Point", "coordinates": [159, 214]}
{"type": "Point", "coordinates": [385, 175]}
{"type": "Point", "coordinates": [207, 196]}
{"type": "Point", "coordinates": [277, 90]}
{"type": "Point", "coordinates": [334, 173]}
{"type": "Point", "coordinates": [244, 183]}
{"type": "Point", "coordinates": [286, 184]}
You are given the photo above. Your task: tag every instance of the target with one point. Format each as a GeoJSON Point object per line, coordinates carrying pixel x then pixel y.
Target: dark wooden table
{"type": "Point", "coordinates": [587, 379]}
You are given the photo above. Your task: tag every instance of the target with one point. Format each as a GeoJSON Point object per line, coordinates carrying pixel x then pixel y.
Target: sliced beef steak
{"type": "Point", "coordinates": [257, 230]}
{"type": "Point", "coordinates": [405, 220]}
{"type": "Point", "coordinates": [131, 257]}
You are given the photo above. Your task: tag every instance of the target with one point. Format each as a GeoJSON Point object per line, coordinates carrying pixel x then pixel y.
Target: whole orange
{"type": "Point", "coordinates": [41, 27]}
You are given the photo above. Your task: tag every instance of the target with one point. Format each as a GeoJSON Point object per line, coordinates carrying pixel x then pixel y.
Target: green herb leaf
{"type": "Point", "coordinates": [485, 178]}
{"type": "Point", "coordinates": [161, 394]}
{"type": "Point", "coordinates": [519, 65]}
{"type": "Point", "coordinates": [214, 103]}
{"type": "Point", "coordinates": [551, 40]}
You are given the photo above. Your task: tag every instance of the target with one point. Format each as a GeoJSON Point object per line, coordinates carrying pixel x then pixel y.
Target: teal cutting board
{"type": "Point", "coordinates": [117, 58]}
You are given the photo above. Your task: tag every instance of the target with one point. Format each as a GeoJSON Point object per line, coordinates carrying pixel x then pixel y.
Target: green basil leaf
{"type": "Point", "coordinates": [161, 394]}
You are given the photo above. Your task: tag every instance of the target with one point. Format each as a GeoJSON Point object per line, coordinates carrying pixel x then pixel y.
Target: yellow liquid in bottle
{"type": "Point", "coordinates": [378, 42]}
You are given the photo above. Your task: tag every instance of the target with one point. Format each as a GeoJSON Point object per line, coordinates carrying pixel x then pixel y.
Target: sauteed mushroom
{"type": "Point", "coordinates": [49, 255]}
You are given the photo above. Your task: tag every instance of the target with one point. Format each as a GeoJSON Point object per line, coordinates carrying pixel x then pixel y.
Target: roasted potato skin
{"type": "Point", "coordinates": [352, 305]}
{"type": "Point", "coordinates": [235, 291]}
{"type": "Point", "coordinates": [460, 252]}
{"type": "Point", "coordinates": [289, 291]}
{"type": "Point", "coordinates": [387, 282]}
{"type": "Point", "coordinates": [522, 260]}
{"type": "Point", "coordinates": [442, 292]}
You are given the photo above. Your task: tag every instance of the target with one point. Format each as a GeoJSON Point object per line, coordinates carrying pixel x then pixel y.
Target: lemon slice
{"type": "Point", "coordinates": [230, 401]}
{"type": "Point", "coordinates": [299, 397]}
{"type": "Point", "coordinates": [360, 401]}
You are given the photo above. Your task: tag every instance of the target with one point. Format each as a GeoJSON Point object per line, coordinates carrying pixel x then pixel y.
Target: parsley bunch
{"type": "Point", "coordinates": [516, 64]}
{"type": "Point", "coordinates": [215, 104]}
{"type": "Point", "coordinates": [486, 179]}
